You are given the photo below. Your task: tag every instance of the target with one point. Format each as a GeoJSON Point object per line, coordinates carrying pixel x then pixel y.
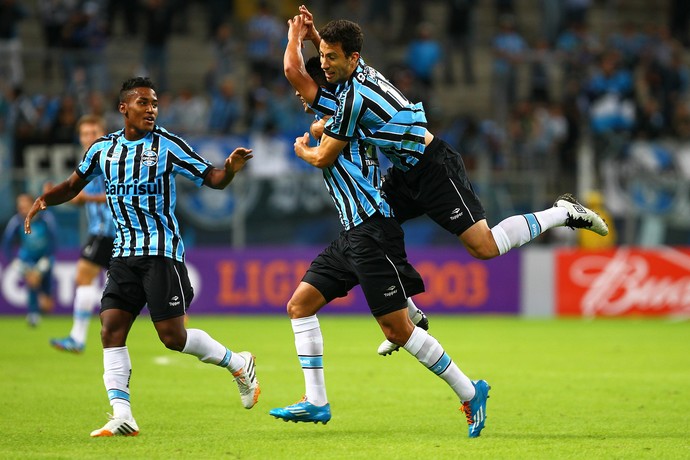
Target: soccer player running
{"type": "Point", "coordinates": [139, 164]}
{"type": "Point", "coordinates": [35, 257]}
{"type": "Point", "coordinates": [370, 251]}
{"type": "Point", "coordinates": [428, 176]}
{"type": "Point", "coordinates": [95, 255]}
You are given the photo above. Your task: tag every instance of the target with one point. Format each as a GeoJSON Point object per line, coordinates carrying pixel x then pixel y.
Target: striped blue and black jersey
{"type": "Point", "coordinates": [372, 109]}
{"type": "Point", "coordinates": [140, 188]}
{"type": "Point", "coordinates": [98, 216]}
{"type": "Point", "coordinates": [353, 181]}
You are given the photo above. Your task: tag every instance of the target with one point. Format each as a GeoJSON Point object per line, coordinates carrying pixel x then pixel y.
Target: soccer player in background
{"type": "Point", "coordinates": [35, 257]}
{"type": "Point", "coordinates": [139, 164]}
{"type": "Point", "coordinates": [369, 252]}
{"type": "Point", "coordinates": [428, 176]}
{"type": "Point", "coordinates": [95, 255]}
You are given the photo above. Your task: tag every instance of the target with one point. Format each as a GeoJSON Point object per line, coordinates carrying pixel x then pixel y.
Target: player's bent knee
{"type": "Point", "coordinates": [173, 342]}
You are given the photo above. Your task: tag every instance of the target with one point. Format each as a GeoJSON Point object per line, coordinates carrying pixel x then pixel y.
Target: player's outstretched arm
{"type": "Point", "coordinates": [221, 178]}
{"type": "Point", "coordinates": [61, 193]}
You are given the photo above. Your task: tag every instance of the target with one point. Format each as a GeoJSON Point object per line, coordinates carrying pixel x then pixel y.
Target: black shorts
{"type": "Point", "coordinates": [373, 256]}
{"type": "Point", "coordinates": [159, 282]}
{"type": "Point", "coordinates": [438, 187]}
{"type": "Point", "coordinates": [98, 250]}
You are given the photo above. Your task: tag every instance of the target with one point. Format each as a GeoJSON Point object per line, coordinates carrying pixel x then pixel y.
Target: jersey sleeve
{"type": "Point", "coordinates": [90, 167]}
{"type": "Point", "coordinates": [188, 163]}
{"type": "Point", "coordinates": [325, 103]}
{"type": "Point", "coordinates": [343, 124]}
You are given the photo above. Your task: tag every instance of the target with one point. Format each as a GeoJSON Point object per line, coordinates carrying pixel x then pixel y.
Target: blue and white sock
{"type": "Point", "coordinates": [85, 299]}
{"type": "Point", "coordinates": [516, 231]}
{"type": "Point", "coordinates": [209, 350]}
{"type": "Point", "coordinates": [429, 352]}
{"type": "Point", "coordinates": [117, 372]}
{"type": "Point", "coordinates": [309, 345]}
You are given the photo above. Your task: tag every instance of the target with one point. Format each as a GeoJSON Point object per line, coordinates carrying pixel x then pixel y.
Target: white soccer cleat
{"type": "Point", "coordinates": [247, 382]}
{"type": "Point", "coordinates": [581, 217]}
{"type": "Point", "coordinates": [387, 347]}
{"type": "Point", "coordinates": [419, 319]}
{"type": "Point", "coordinates": [117, 427]}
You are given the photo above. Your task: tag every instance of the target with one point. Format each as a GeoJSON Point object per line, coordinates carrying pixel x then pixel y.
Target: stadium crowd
{"type": "Point", "coordinates": [549, 89]}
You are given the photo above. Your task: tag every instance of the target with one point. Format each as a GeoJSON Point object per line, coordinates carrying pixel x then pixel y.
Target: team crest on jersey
{"type": "Point", "coordinates": [149, 158]}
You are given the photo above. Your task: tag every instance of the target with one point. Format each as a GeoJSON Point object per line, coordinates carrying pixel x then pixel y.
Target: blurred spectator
{"type": "Point", "coordinates": [64, 125]}
{"type": "Point", "coordinates": [576, 48]}
{"type": "Point", "coordinates": [552, 12]}
{"type": "Point", "coordinates": [158, 16]}
{"type": "Point", "coordinates": [260, 115]}
{"type": "Point", "coordinates": [611, 110]}
{"type": "Point", "coordinates": [227, 53]}
{"type": "Point", "coordinates": [460, 39]}
{"type": "Point", "coordinates": [12, 12]}
{"type": "Point", "coordinates": [540, 61]}
{"type": "Point", "coordinates": [630, 42]}
{"type": "Point", "coordinates": [424, 54]}
{"type": "Point", "coordinates": [190, 112]}
{"type": "Point", "coordinates": [264, 43]}
{"type": "Point", "coordinates": [225, 110]}
{"type": "Point", "coordinates": [83, 42]}
{"type": "Point", "coordinates": [54, 15]}
{"type": "Point", "coordinates": [508, 49]}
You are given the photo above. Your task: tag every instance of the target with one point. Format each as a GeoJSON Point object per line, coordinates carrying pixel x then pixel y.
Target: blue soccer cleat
{"type": "Point", "coordinates": [303, 411]}
{"type": "Point", "coordinates": [67, 344]}
{"type": "Point", "coordinates": [475, 409]}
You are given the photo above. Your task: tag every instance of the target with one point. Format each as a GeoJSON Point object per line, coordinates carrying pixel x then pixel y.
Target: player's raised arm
{"type": "Point", "coordinates": [293, 61]}
{"type": "Point", "coordinates": [59, 194]}
{"type": "Point", "coordinates": [220, 178]}
{"type": "Point", "coordinates": [312, 34]}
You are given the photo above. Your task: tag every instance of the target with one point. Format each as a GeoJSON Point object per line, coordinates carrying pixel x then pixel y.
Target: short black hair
{"type": "Point", "coordinates": [135, 82]}
{"type": "Point", "coordinates": [313, 66]}
{"type": "Point", "coordinates": [347, 33]}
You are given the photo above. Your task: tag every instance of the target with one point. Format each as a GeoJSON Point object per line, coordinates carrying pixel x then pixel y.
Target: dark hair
{"type": "Point", "coordinates": [313, 66]}
{"type": "Point", "coordinates": [347, 33]}
{"type": "Point", "coordinates": [135, 82]}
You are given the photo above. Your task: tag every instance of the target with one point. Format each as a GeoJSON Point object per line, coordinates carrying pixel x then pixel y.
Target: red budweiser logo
{"type": "Point", "coordinates": [624, 281]}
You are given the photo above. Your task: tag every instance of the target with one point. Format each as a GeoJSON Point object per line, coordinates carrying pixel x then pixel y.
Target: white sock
{"type": "Point", "coordinates": [429, 352]}
{"type": "Point", "coordinates": [85, 299]}
{"type": "Point", "coordinates": [309, 345]}
{"type": "Point", "coordinates": [117, 371]}
{"type": "Point", "coordinates": [515, 231]}
{"type": "Point", "coordinates": [208, 350]}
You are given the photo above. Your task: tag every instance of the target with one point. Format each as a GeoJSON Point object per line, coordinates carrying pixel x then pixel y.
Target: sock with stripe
{"type": "Point", "coordinates": [309, 345]}
{"type": "Point", "coordinates": [209, 350]}
{"type": "Point", "coordinates": [117, 372]}
{"type": "Point", "coordinates": [429, 352]}
{"type": "Point", "coordinates": [515, 231]}
{"type": "Point", "coordinates": [85, 299]}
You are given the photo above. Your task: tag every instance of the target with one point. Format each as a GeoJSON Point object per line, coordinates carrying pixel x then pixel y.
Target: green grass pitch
{"type": "Point", "coordinates": [560, 389]}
